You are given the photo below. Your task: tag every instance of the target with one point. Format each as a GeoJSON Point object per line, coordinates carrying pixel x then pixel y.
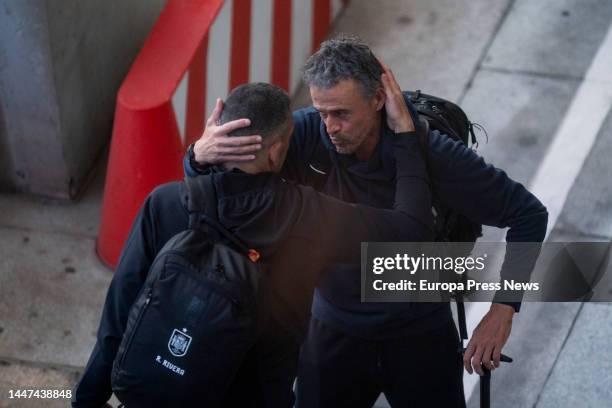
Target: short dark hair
{"type": "Point", "coordinates": [341, 58]}
{"type": "Point", "coordinates": [266, 105]}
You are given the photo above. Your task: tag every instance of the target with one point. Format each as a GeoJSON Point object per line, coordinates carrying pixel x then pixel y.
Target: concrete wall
{"type": "Point", "coordinates": [61, 63]}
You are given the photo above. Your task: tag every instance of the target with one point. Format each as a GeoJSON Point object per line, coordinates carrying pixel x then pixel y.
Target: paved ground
{"type": "Point", "coordinates": [517, 67]}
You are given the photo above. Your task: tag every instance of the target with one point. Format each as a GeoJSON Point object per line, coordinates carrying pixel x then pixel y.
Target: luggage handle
{"type": "Point", "coordinates": [485, 379]}
{"type": "Point", "coordinates": [504, 358]}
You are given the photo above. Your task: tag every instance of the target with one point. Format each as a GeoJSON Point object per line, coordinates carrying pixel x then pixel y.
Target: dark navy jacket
{"type": "Point", "coordinates": [460, 178]}
{"type": "Point", "coordinates": [296, 229]}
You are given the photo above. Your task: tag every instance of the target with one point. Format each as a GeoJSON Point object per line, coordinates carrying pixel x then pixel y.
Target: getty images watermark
{"type": "Point", "coordinates": [512, 272]}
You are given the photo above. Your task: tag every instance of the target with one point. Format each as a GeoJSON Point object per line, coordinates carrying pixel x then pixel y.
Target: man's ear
{"type": "Point", "coordinates": [379, 98]}
{"type": "Point", "coordinates": [275, 155]}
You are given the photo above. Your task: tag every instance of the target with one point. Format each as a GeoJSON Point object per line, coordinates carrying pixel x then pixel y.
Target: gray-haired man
{"type": "Point", "coordinates": [356, 350]}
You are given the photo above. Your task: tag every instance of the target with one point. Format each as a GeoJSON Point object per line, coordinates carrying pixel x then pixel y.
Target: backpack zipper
{"type": "Point", "coordinates": [136, 325]}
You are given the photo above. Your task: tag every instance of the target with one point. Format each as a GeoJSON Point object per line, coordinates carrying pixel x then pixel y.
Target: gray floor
{"type": "Point", "coordinates": [514, 66]}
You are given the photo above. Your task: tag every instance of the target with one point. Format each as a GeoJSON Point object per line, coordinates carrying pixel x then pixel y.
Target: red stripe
{"type": "Point", "coordinates": [167, 52]}
{"type": "Point", "coordinates": [281, 43]}
{"type": "Point", "coordinates": [196, 94]}
{"type": "Point", "coordinates": [241, 44]}
{"type": "Point", "coordinates": [321, 22]}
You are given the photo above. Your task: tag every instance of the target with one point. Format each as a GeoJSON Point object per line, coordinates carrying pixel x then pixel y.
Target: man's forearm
{"type": "Point", "coordinates": [94, 388]}
{"type": "Point", "coordinates": [412, 192]}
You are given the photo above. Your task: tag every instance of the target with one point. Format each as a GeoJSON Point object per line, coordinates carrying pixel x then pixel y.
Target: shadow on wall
{"type": "Point", "coordinates": [62, 64]}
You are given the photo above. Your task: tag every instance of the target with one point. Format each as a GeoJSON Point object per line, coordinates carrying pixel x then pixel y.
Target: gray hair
{"type": "Point", "coordinates": [343, 58]}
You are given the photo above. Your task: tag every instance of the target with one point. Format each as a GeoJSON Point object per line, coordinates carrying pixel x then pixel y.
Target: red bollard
{"type": "Point", "coordinates": [146, 151]}
{"type": "Point", "coordinates": [146, 148]}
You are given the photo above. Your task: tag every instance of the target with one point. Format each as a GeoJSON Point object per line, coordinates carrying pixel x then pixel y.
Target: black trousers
{"type": "Point", "coordinates": [422, 370]}
{"type": "Point", "coordinates": [264, 382]}
{"type": "Point", "coordinates": [265, 378]}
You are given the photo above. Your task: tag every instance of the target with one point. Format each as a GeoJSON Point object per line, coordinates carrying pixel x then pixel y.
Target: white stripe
{"type": "Point", "coordinates": [261, 41]}
{"type": "Point", "coordinates": [301, 39]}
{"type": "Point", "coordinates": [179, 103]}
{"type": "Point", "coordinates": [336, 7]}
{"type": "Point", "coordinates": [218, 60]}
{"type": "Point", "coordinates": [576, 135]}
{"type": "Point", "coordinates": [566, 155]}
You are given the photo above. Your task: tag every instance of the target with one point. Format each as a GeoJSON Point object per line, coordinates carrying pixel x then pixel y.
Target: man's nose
{"type": "Point", "coordinates": [332, 125]}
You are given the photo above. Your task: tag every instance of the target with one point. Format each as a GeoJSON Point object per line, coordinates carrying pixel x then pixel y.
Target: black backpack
{"type": "Point", "coordinates": [195, 318]}
{"type": "Point", "coordinates": [449, 119]}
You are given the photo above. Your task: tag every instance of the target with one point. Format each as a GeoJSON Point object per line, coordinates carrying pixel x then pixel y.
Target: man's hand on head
{"type": "Point", "coordinates": [398, 117]}
{"type": "Point", "coordinates": [489, 337]}
{"type": "Point", "coordinates": [215, 146]}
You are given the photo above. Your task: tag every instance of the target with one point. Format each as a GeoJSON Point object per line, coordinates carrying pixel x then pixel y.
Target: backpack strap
{"type": "Point", "coordinates": [423, 132]}
{"type": "Point", "coordinates": [461, 318]}
{"type": "Point", "coordinates": [203, 214]}
{"type": "Point", "coordinates": [423, 138]}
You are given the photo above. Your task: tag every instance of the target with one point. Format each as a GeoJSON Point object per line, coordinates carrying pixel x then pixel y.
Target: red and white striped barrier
{"type": "Point", "coordinates": [197, 51]}
{"type": "Point", "coordinates": [251, 41]}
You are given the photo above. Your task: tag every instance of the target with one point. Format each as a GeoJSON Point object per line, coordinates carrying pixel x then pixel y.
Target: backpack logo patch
{"type": "Point", "coordinates": [179, 343]}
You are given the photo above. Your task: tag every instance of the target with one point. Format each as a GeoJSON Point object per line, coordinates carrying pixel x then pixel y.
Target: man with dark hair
{"type": "Point", "coordinates": [296, 230]}
{"type": "Point", "coordinates": [354, 351]}
{"type": "Point", "coordinates": [266, 106]}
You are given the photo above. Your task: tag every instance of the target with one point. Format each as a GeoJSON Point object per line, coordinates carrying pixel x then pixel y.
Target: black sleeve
{"type": "Point", "coordinates": [94, 388]}
{"type": "Point", "coordinates": [485, 194]}
{"type": "Point", "coordinates": [148, 234]}
{"type": "Point", "coordinates": [188, 168]}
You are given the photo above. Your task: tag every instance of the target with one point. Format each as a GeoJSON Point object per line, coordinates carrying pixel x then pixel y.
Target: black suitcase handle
{"type": "Point", "coordinates": [504, 358]}
{"type": "Point", "coordinates": [485, 381]}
